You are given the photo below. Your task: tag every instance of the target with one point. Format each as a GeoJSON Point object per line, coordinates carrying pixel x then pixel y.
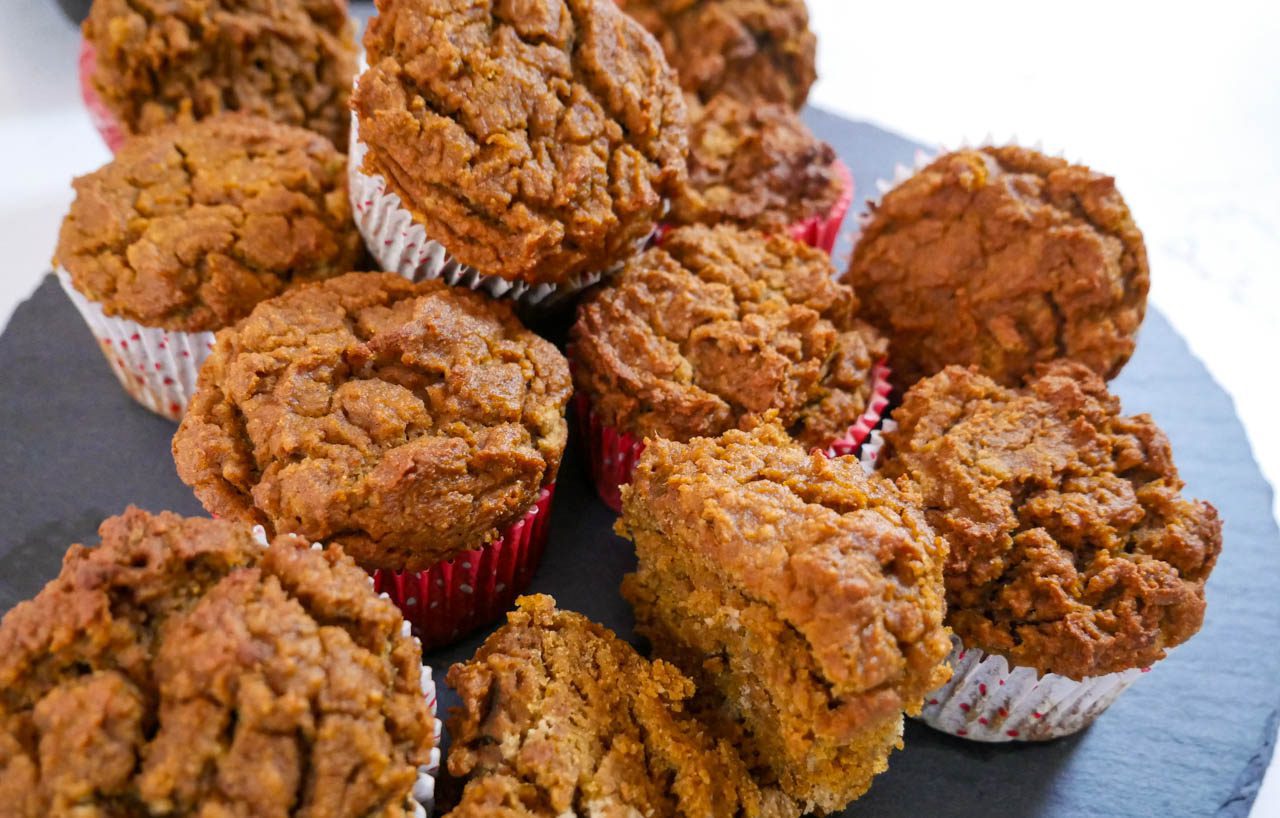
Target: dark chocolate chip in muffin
{"type": "Point", "coordinates": [1003, 258]}
{"type": "Point", "coordinates": [405, 422]}
{"type": "Point", "coordinates": [189, 227]}
{"type": "Point", "coordinates": [290, 61]}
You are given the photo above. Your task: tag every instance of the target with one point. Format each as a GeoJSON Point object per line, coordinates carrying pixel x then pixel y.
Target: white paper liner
{"type": "Point", "coordinates": [422, 799]}
{"type": "Point", "coordinates": [870, 454]}
{"type": "Point", "coordinates": [400, 244]}
{"type": "Point", "coordinates": [158, 367]}
{"type": "Point", "coordinates": [987, 701]}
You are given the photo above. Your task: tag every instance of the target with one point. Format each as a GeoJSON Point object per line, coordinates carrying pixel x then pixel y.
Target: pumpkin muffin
{"type": "Point", "coordinates": [755, 50]}
{"type": "Point", "coordinates": [1072, 549]}
{"type": "Point", "coordinates": [155, 62]}
{"type": "Point", "coordinates": [802, 596]}
{"type": "Point", "coordinates": [560, 717]}
{"type": "Point", "coordinates": [405, 422]}
{"type": "Point", "coordinates": [183, 667]}
{"type": "Point", "coordinates": [1003, 258]}
{"type": "Point", "coordinates": [535, 142]}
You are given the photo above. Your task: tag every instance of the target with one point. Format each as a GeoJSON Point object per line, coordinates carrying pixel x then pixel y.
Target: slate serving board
{"type": "Point", "coordinates": [1192, 738]}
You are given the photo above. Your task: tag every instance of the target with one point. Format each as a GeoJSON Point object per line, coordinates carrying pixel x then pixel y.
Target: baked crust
{"type": "Point", "coordinates": [181, 667]}
{"type": "Point", "coordinates": [406, 422]}
{"type": "Point", "coordinates": [717, 327]}
{"type": "Point", "coordinates": [189, 227]}
{"type": "Point", "coordinates": [560, 717]}
{"type": "Point", "coordinates": [1003, 258]}
{"type": "Point", "coordinates": [290, 61]}
{"type": "Point", "coordinates": [536, 141]}
{"type": "Point", "coordinates": [1072, 549]}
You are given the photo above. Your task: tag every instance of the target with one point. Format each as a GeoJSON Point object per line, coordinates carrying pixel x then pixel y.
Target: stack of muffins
{"type": "Point", "coordinates": [1007, 555]}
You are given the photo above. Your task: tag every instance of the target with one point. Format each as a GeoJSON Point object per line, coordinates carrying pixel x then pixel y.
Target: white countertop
{"type": "Point", "coordinates": [1181, 105]}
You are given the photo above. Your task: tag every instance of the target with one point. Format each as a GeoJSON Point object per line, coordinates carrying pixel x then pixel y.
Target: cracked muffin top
{"type": "Point", "coordinates": [405, 422]}
{"type": "Point", "coordinates": [160, 61]}
{"type": "Point", "coordinates": [755, 50]}
{"type": "Point", "coordinates": [1003, 258]}
{"type": "Point", "coordinates": [537, 141]}
{"type": "Point", "coordinates": [560, 717]}
{"type": "Point", "coordinates": [846, 560]}
{"type": "Point", "coordinates": [1073, 550]}
{"type": "Point", "coordinates": [718, 326]}
{"type": "Point", "coordinates": [755, 165]}
{"type": "Point", "coordinates": [191, 226]}
{"type": "Point", "coordinates": [183, 667]}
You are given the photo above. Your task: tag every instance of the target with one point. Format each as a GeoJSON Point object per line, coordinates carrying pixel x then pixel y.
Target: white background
{"type": "Point", "coordinates": [1180, 101]}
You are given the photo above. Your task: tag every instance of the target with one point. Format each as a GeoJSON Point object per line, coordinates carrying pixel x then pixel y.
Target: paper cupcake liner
{"type": "Point", "coordinates": [822, 231]}
{"type": "Point", "coordinates": [158, 367]}
{"type": "Point", "coordinates": [871, 450]}
{"type": "Point", "coordinates": [850, 443]}
{"type": "Point", "coordinates": [454, 597]}
{"type": "Point", "coordinates": [400, 244]}
{"type": "Point", "coordinates": [106, 123]}
{"type": "Point", "coordinates": [422, 798]}
{"type": "Point", "coordinates": [986, 700]}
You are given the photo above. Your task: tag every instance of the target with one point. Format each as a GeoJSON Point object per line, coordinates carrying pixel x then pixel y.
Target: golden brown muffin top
{"type": "Point", "coordinates": [536, 141]}
{"type": "Point", "coordinates": [161, 61]}
{"type": "Point", "coordinates": [191, 226]}
{"type": "Point", "coordinates": [561, 717]}
{"type": "Point", "coordinates": [719, 326]}
{"type": "Point", "coordinates": [847, 560]}
{"type": "Point", "coordinates": [406, 422]}
{"type": "Point", "coordinates": [183, 667]}
{"type": "Point", "coordinates": [755, 50]}
{"type": "Point", "coordinates": [1073, 550]}
{"type": "Point", "coordinates": [755, 165]}
{"type": "Point", "coordinates": [1003, 258]}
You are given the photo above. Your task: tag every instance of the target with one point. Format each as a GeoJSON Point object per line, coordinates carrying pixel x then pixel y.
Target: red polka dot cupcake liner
{"type": "Point", "coordinates": [850, 443]}
{"type": "Point", "coordinates": [113, 133]}
{"type": "Point", "coordinates": [987, 700]}
{"type": "Point", "coordinates": [157, 367]}
{"type": "Point", "coordinates": [452, 598]}
{"type": "Point", "coordinates": [823, 230]}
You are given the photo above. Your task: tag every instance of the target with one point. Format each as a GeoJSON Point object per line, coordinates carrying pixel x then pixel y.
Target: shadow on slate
{"type": "Point", "coordinates": [1192, 738]}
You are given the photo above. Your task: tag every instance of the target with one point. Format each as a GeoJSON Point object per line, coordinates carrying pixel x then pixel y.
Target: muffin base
{"type": "Point", "coordinates": [452, 598]}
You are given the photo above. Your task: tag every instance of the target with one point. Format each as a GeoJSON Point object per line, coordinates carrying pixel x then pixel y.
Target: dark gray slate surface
{"type": "Point", "coordinates": [1192, 738]}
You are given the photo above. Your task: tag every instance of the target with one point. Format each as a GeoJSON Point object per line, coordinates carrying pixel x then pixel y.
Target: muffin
{"type": "Point", "coordinates": [755, 50]}
{"type": "Point", "coordinates": [802, 596]}
{"type": "Point", "coordinates": [187, 229]}
{"type": "Point", "coordinates": [183, 667]}
{"type": "Point", "coordinates": [1074, 559]}
{"type": "Point", "coordinates": [412, 424]}
{"type": "Point", "coordinates": [711, 331]}
{"type": "Point", "coordinates": [522, 147]}
{"type": "Point", "coordinates": [1002, 258]}
{"type": "Point", "coordinates": [149, 63]}
{"type": "Point", "coordinates": [560, 717]}
{"type": "Point", "coordinates": [759, 166]}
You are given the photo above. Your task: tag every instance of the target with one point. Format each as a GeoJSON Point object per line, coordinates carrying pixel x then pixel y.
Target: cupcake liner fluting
{"type": "Point", "coordinates": [157, 367]}
{"type": "Point", "coordinates": [423, 797]}
{"type": "Point", "coordinates": [106, 123]}
{"type": "Point", "coordinates": [823, 230]}
{"type": "Point", "coordinates": [850, 443]}
{"type": "Point", "coordinates": [452, 598]}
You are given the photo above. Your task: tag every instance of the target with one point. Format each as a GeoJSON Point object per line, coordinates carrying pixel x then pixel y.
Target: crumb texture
{"type": "Point", "coordinates": [755, 165]}
{"type": "Point", "coordinates": [755, 50]}
{"type": "Point", "coordinates": [717, 327]}
{"type": "Point", "coordinates": [1072, 549]}
{"type": "Point", "coordinates": [1003, 258]}
{"type": "Point", "coordinates": [405, 422]}
{"type": "Point", "coordinates": [158, 61]}
{"type": "Point", "coordinates": [803, 596]}
{"type": "Point", "coordinates": [537, 141]}
{"type": "Point", "coordinates": [191, 226]}
{"type": "Point", "coordinates": [181, 668]}
{"type": "Point", "coordinates": [560, 717]}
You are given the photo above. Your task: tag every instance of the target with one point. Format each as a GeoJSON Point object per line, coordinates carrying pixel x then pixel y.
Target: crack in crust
{"type": "Point", "coordinates": [1003, 258]}
{"type": "Point", "coordinates": [191, 226]}
{"type": "Point", "coordinates": [159, 62]}
{"type": "Point", "coordinates": [718, 326]}
{"type": "Point", "coordinates": [537, 140]}
{"type": "Point", "coordinates": [406, 422]}
{"type": "Point", "coordinates": [1073, 550]}
{"type": "Point", "coordinates": [182, 667]}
